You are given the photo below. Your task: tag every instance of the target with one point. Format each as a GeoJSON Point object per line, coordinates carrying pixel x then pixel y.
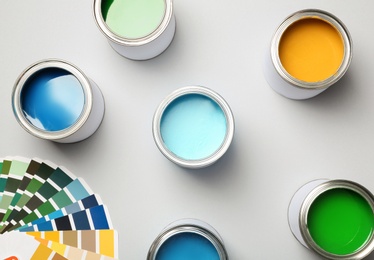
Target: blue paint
{"type": "Point", "coordinates": [78, 190]}
{"type": "Point", "coordinates": [187, 246]}
{"type": "Point", "coordinates": [81, 221]}
{"type": "Point", "coordinates": [52, 99]}
{"type": "Point", "coordinates": [99, 217]}
{"type": "Point", "coordinates": [193, 127]}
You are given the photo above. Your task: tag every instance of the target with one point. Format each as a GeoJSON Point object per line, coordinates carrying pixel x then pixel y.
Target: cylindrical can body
{"type": "Point", "coordinates": [132, 44]}
{"type": "Point", "coordinates": [188, 236]}
{"type": "Point", "coordinates": [334, 218]}
{"type": "Point", "coordinates": [53, 100]}
{"type": "Point", "coordinates": [310, 51]}
{"type": "Point", "coordinates": [193, 127]}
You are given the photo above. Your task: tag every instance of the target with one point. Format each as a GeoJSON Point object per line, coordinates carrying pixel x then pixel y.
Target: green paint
{"type": "Point", "coordinates": [133, 19]}
{"type": "Point", "coordinates": [5, 201]}
{"type": "Point", "coordinates": [47, 190]}
{"type": "Point", "coordinates": [12, 185]}
{"type": "Point", "coordinates": [33, 187]}
{"type": "Point", "coordinates": [340, 221]}
{"type": "Point", "coordinates": [62, 199]}
{"type": "Point", "coordinates": [18, 168]}
{"type": "Point", "coordinates": [23, 200]}
{"type": "Point", "coordinates": [16, 171]}
{"type": "Point", "coordinates": [3, 179]}
{"type": "Point", "coordinates": [45, 209]}
{"type": "Point", "coordinates": [27, 219]}
{"type": "Point", "coordinates": [6, 166]}
{"type": "Point", "coordinates": [31, 170]}
{"type": "Point", "coordinates": [43, 173]}
{"type": "Point", "coordinates": [60, 178]}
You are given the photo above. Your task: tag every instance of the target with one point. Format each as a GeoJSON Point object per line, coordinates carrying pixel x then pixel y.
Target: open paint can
{"type": "Point", "coordinates": [334, 218]}
{"type": "Point", "coordinates": [136, 29]}
{"type": "Point", "coordinates": [188, 239]}
{"type": "Point", "coordinates": [310, 51]}
{"type": "Point", "coordinates": [53, 100]}
{"type": "Point", "coordinates": [193, 127]}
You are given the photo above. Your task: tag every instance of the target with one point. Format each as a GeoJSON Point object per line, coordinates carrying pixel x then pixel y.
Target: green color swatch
{"type": "Point", "coordinates": [16, 172]}
{"type": "Point", "coordinates": [76, 190]}
{"type": "Point", "coordinates": [340, 221]}
{"type": "Point", "coordinates": [133, 19]}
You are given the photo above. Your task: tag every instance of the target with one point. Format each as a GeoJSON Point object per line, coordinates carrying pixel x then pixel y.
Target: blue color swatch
{"type": "Point", "coordinates": [52, 99]}
{"type": "Point", "coordinates": [193, 127]}
{"type": "Point", "coordinates": [187, 246]}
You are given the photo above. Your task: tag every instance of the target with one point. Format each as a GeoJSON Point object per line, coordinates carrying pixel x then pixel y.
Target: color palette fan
{"type": "Point", "coordinates": [48, 213]}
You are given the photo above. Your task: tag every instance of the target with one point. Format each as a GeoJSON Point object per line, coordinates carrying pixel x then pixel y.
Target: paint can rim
{"type": "Point", "coordinates": [132, 42]}
{"type": "Point", "coordinates": [230, 127]}
{"type": "Point", "coordinates": [188, 225]}
{"type": "Point", "coordinates": [326, 17]}
{"type": "Point", "coordinates": [366, 249]}
{"type": "Point", "coordinates": [29, 72]}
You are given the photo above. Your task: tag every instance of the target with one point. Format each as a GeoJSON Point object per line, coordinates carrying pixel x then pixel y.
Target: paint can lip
{"type": "Point", "coordinates": [230, 127]}
{"type": "Point", "coordinates": [327, 17]}
{"type": "Point", "coordinates": [317, 191]}
{"type": "Point", "coordinates": [30, 71]}
{"type": "Point", "coordinates": [188, 225]}
{"type": "Point", "coordinates": [129, 42]}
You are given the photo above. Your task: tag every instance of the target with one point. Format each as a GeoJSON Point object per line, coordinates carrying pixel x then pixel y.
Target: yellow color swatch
{"type": "Point", "coordinates": [311, 50]}
{"type": "Point", "coordinates": [107, 242]}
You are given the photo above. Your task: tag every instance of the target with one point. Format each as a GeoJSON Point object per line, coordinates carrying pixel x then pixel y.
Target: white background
{"type": "Point", "coordinates": [279, 144]}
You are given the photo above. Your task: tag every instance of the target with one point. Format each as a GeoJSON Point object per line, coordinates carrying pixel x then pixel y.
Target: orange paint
{"type": "Point", "coordinates": [311, 50]}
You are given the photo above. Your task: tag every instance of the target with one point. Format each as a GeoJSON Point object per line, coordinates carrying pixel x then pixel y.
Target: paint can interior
{"type": "Point", "coordinates": [334, 218]}
{"type": "Point", "coordinates": [310, 51]}
{"type": "Point", "coordinates": [193, 127]}
{"type": "Point", "coordinates": [136, 29]}
{"type": "Point", "coordinates": [53, 100]}
{"type": "Point", "coordinates": [188, 239]}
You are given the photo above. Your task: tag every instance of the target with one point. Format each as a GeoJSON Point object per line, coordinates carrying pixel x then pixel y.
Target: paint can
{"type": "Point", "coordinates": [310, 51]}
{"type": "Point", "coordinates": [54, 100]}
{"type": "Point", "coordinates": [334, 218]}
{"type": "Point", "coordinates": [188, 236]}
{"type": "Point", "coordinates": [193, 127]}
{"type": "Point", "coordinates": [138, 30]}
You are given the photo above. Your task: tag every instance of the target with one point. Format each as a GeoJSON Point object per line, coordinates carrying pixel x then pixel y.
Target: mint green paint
{"type": "Point", "coordinates": [133, 19]}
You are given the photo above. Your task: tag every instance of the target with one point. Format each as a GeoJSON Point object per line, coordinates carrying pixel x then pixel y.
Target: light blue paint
{"type": "Point", "coordinates": [78, 190]}
{"type": "Point", "coordinates": [52, 99]}
{"type": "Point", "coordinates": [193, 127]}
{"type": "Point", "coordinates": [187, 246]}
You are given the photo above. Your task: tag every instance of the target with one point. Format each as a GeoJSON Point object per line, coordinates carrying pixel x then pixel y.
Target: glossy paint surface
{"type": "Point", "coordinates": [311, 50]}
{"type": "Point", "coordinates": [340, 221]}
{"type": "Point", "coordinates": [133, 19]}
{"type": "Point", "coordinates": [193, 127]}
{"type": "Point", "coordinates": [52, 99]}
{"type": "Point", "coordinates": [187, 246]}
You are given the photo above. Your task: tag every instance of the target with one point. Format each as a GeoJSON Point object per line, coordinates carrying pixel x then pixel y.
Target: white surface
{"type": "Point", "coordinates": [279, 144]}
{"type": "Point", "coordinates": [295, 205]}
{"type": "Point", "coordinates": [17, 244]}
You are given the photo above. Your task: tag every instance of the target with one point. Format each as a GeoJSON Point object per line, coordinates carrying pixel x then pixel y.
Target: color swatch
{"type": "Point", "coordinates": [48, 213]}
